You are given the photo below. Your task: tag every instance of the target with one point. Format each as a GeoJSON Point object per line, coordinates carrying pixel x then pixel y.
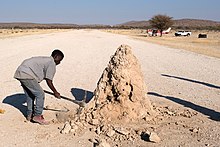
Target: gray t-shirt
{"type": "Point", "coordinates": [37, 68]}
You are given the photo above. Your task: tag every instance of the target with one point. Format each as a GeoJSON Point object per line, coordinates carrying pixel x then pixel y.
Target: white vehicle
{"type": "Point", "coordinates": [183, 33]}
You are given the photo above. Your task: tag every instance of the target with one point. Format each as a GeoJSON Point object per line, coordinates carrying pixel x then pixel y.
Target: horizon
{"type": "Point", "coordinates": [105, 24]}
{"type": "Point", "coordinates": [104, 12]}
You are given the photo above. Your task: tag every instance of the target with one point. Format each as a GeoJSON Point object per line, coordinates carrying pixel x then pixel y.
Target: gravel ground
{"type": "Point", "coordinates": [177, 78]}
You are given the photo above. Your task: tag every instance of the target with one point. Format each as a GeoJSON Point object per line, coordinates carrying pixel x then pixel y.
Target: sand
{"type": "Point", "coordinates": [184, 88]}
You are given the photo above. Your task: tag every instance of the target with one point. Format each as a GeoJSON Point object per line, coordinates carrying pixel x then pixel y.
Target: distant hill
{"type": "Point", "coordinates": [24, 25]}
{"type": "Point", "coordinates": [178, 24]}
{"type": "Point", "coordinates": [195, 23]}
{"type": "Point", "coordinates": [181, 23]}
{"type": "Point", "coordinates": [135, 24]}
{"type": "Point", "coordinates": [34, 25]}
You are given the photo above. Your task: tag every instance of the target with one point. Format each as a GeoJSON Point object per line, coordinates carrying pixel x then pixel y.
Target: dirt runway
{"type": "Point", "coordinates": [175, 78]}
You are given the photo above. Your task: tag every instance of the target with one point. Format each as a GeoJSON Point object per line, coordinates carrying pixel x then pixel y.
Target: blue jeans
{"type": "Point", "coordinates": [34, 93]}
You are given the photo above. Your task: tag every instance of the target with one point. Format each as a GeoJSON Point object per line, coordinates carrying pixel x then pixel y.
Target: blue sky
{"type": "Point", "coordinates": [105, 11]}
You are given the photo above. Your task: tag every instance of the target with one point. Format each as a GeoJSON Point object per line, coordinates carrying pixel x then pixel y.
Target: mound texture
{"type": "Point", "coordinates": [121, 92]}
{"type": "Point", "coordinates": [119, 98]}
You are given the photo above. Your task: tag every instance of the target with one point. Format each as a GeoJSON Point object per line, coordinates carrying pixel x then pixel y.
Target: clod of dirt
{"type": "Point", "coordinates": [102, 143]}
{"type": "Point", "coordinates": [66, 129]}
{"type": "Point", "coordinates": [99, 142]}
{"type": "Point", "coordinates": [110, 132]}
{"type": "Point", "coordinates": [121, 130]}
{"type": "Point", "coordinates": [2, 111]}
{"type": "Point", "coordinates": [154, 137]}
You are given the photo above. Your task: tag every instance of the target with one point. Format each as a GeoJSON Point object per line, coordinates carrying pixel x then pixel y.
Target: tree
{"type": "Point", "coordinates": [161, 22]}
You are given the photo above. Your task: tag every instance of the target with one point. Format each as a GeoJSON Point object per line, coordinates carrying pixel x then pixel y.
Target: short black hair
{"type": "Point", "coordinates": [57, 52]}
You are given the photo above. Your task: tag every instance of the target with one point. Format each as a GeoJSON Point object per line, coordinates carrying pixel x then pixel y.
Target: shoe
{"type": "Point", "coordinates": [29, 117]}
{"type": "Point", "coordinates": [40, 119]}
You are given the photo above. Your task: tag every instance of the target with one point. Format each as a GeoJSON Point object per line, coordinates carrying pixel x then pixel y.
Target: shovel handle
{"type": "Point", "coordinates": [63, 97]}
{"type": "Point", "coordinates": [80, 103]}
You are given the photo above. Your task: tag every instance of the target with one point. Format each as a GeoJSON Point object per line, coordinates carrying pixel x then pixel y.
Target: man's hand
{"type": "Point", "coordinates": [50, 84]}
{"type": "Point", "coordinates": [57, 95]}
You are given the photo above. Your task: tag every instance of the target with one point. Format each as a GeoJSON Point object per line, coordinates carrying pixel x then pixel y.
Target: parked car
{"type": "Point", "coordinates": [183, 33]}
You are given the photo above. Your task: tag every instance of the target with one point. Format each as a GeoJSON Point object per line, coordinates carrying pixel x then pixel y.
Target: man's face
{"type": "Point", "coordinates": [57, 59]}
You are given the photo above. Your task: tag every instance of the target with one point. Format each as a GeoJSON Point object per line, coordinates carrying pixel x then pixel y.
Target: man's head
{"type": "Point", "coordinates": [57, 56]}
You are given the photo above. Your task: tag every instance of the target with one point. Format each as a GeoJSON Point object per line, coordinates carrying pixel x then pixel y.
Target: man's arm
{"type": "Point", "coordinates": [51, 86]}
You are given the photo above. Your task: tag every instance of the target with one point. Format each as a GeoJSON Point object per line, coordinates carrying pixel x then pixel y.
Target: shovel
{"type": "Point", "coordinates": [80, 103]}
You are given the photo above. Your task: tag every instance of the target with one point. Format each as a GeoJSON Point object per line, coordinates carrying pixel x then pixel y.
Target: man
{"type": "Point", "coordinates": [30, 73]}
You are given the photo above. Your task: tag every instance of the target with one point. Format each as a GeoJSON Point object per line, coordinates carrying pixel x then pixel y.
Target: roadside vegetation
{"type": "Point", "coordinates": [207, 46]}
{"type": "Point", "coordinates": [161, 22]}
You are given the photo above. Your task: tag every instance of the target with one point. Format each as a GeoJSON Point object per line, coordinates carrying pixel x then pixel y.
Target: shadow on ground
{"type": "Point", "coordinates": [79, 94]}
{"type": "Point", "coordinates": [190, 80]}
{"type": "Point", "coordinates": [17, 101]}
{"type": "Point", "coordinates": [206, 111]}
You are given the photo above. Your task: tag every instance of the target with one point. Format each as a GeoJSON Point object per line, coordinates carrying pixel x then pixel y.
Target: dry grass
{"type": "Point", "coordinates": [8, 33]}
{"type": "Point", "coordinates": [207, 46]}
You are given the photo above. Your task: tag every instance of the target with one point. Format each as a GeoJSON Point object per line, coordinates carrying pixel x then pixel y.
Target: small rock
{"type": "Point", "coordinates": [74, 128]}
{"type": "Point", "coordinates": [170, 113]}
{"type": "Point", "coordinates": [121, 130]}
{"type": "Point", "coordinates": [109, 119]}
{"type": "Point", "coordinates": [138, 132]}
{"type": "Point", "coordinates": [66, 129]}
{"type": "Point", "coordinates": [110, 133]}
{"type": "Point", "coordinates": [102, 143]}
{"type": "Point", "coordinates": [147, 118]}
{"type": "Point", "coordinates": [72, 131]}
{"type": "Point", "coordinates": [94, 115]}
{"type": "Point", "coordinates": [154, 137]}
{"type": "Point", "coordinates": [130, 138]}
{"type": "Point", "coordinates": [93, 140]}
{"type": "Point", "coordinates": [2, 111]}
{"type": "Point", "coordinates": [94, 122]}
{"type": "Point", "coordinates": [80, 125]}
{"type": "Point", "coordinates": [73, 123]}
{"type": "Point", "coordinates": [195, 130]}
{"type": "Point", "coordinates": [169, 107]}
{"type": "Point", "coordinates": [105, 128]}
{"type": "Point", "coordinates": [98, 131]}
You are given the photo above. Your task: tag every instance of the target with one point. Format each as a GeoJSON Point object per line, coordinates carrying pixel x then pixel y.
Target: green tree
{"type": "Point", "coordinates": [161, 22]}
